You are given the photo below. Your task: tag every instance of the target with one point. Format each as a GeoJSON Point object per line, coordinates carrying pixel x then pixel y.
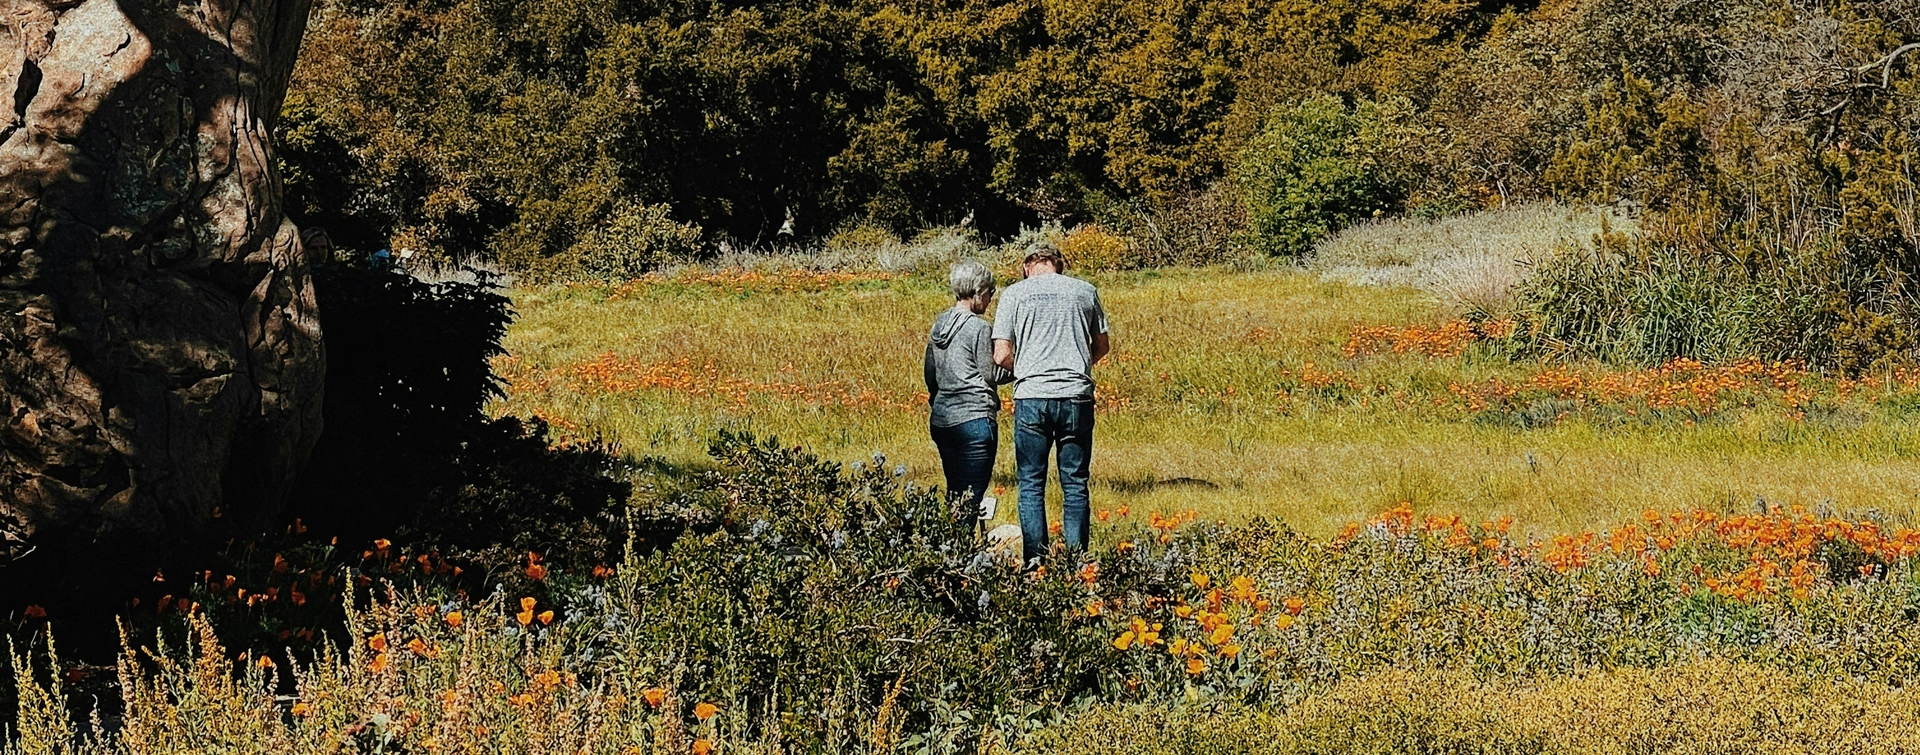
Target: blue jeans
{"type": "Point", "coordinates": [1040, 426]}
{"type": "Point", "coordinates": [966, 456]}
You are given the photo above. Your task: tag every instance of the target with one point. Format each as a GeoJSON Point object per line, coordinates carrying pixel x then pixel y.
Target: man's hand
{"type": "Point", "coordinates": [1003, 353]}
{"type": "Point", "coordinates": [1101, 347]}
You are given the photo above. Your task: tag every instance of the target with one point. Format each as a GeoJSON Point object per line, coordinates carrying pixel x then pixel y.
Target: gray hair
{"type": "Point", "coordinates": [969, 279]}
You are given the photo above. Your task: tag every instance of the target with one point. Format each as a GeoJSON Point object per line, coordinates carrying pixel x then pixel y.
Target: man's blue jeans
{"type": "Point", "coordinates": [967, 451]}
{"type": "Point", "coordinates": [1039, 427]}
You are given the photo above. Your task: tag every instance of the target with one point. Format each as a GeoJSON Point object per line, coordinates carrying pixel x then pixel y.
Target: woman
{"type": "Point", "coordinates": [961, 377]}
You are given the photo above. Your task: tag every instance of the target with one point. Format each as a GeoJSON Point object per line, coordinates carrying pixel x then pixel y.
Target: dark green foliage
{"type": "Point", "coordinates": [408, 379]}
{"type": "Point", "coordinates": [1317, 167]}
{"type": "Point", "coordinates": [519, 130]}
{"type": "Point", "coordinates": [408, 451]}
{"type": "Point", "coordinates": [1778, 213]}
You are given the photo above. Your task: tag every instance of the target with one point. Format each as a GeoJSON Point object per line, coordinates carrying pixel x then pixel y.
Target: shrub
{"type": "Point", "coordinates": [634, 240]}
{"type": "Point", "coordinates": [1091, 247]}
{"type": "Point", "coordinates": [1205, 227]}
{"type": "Point", "coordinates": [860, 237]}
{"type": "Point", "coordinates": [868, 247]}
{"type": "Point", "coordinates": [1644, 301]}
{"type": "Point", "coordinates": [848, 598]}
{"type": "Point", "coordinates": [408, 448]}
{"type": "Point", "coordinates": [1317, 167]}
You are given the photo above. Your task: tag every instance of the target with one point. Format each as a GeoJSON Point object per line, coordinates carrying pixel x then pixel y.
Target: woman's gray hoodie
{"type": "Point", "coordinates": [960, 370]}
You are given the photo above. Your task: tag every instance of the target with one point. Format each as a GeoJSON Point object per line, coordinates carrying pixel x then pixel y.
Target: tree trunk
{"type": "Point", "coordinates": [160, 356]}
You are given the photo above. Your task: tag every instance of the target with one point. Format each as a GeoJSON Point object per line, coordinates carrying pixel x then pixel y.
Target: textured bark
{"type": "Point", "coordinates": [160, 357]}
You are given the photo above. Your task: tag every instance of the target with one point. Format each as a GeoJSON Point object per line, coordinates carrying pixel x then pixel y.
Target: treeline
{"type": "Point", "coordinates": [1769, 143]}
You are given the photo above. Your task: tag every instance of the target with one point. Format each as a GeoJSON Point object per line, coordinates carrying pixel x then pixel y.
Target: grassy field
{"type": "Point", "coordinates": [1236, 394]}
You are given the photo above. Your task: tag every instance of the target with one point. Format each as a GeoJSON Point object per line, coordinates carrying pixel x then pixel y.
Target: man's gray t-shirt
{"type": "Point", "coordinates": [1051, 320]}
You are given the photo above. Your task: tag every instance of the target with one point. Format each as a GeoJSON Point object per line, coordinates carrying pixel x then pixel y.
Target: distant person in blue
{"type": "Point", "coordinates": [1050, 331]}
{"type": "Point", "coordinates": [961, 378]}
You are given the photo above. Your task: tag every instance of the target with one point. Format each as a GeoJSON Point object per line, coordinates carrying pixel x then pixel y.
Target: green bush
{"type": "Point", "coordinates": [1317, 167]}
{"type": "Point", "coordinates": [635, 239]}
{"type": "Point", "coordinates": [818, 595]}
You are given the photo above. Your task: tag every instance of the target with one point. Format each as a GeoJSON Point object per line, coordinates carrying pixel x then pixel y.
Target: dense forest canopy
{"type": "Point", "coordinates": [1767, 139]}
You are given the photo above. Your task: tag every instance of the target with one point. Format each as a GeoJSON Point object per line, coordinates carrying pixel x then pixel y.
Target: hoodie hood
{"type": "Point", "coordinates": [947, 326]}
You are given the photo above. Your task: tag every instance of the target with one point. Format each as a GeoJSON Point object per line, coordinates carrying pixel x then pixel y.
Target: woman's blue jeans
{"type": "Point", "coordinates": [1039, 427]}
{"type": "Point", "coordinates": [966, 456]}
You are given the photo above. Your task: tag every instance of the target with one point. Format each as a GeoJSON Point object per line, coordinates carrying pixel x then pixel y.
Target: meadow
{"type": "Point", "coordinates": [1287, 392]}
{"type": "Point", "coordinates": [1344, 506]}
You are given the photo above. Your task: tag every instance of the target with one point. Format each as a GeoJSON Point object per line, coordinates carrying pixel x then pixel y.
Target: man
{"type": "Point", "coordinates": [1050, 331]}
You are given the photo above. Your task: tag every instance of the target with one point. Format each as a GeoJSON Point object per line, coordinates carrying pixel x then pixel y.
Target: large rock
{"type": "Point", "coordinates": [160, 358]}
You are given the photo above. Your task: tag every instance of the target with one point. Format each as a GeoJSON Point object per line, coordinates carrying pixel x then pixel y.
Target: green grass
{"type": "Point", "coordinates": [1182, 339]}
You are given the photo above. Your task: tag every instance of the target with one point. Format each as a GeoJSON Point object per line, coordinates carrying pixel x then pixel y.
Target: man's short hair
{"type": "Point", "coordinates": [969, 279]}
{"type": "Point", "coordinates": [1045, 251]}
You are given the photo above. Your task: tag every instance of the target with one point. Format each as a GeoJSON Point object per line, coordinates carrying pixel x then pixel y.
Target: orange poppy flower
{"type": "Point", "coordinates": [705, 711]}
{"type": "Point", "coordinates": [654, 696]}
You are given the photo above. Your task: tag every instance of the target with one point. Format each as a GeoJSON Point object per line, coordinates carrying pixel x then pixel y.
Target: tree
{"type": "Point", "coordinates": [160, 357]}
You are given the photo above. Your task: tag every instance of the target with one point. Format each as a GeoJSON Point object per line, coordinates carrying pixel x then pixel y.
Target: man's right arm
{"type": "Point", "coordinates": [1003, 353]}
{"type": "Point", "coordinates": [1003, 328]}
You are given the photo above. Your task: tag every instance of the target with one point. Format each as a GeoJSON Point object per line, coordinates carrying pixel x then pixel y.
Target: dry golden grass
{"type": "Point", "coordinates": [1471, 262]}
{"type": "Point", "coordinates": [1701, 707]}
{"type": "Point", "coordinates": [1193, 415]}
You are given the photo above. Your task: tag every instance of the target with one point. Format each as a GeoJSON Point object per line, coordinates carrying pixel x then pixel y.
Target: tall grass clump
{"type": "Point", "coordinates": [1640, 301]}
{"type": "Point", "coordinates": [1200, 227]}
{"type": "Point", "coordinates": [1475, 263]}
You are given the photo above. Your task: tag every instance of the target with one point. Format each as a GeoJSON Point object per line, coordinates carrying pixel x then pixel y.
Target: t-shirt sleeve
{"type": "Point", "coordinates": [1098, 315]}
{"type": "Point", "coordinates": [1003, 319]}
